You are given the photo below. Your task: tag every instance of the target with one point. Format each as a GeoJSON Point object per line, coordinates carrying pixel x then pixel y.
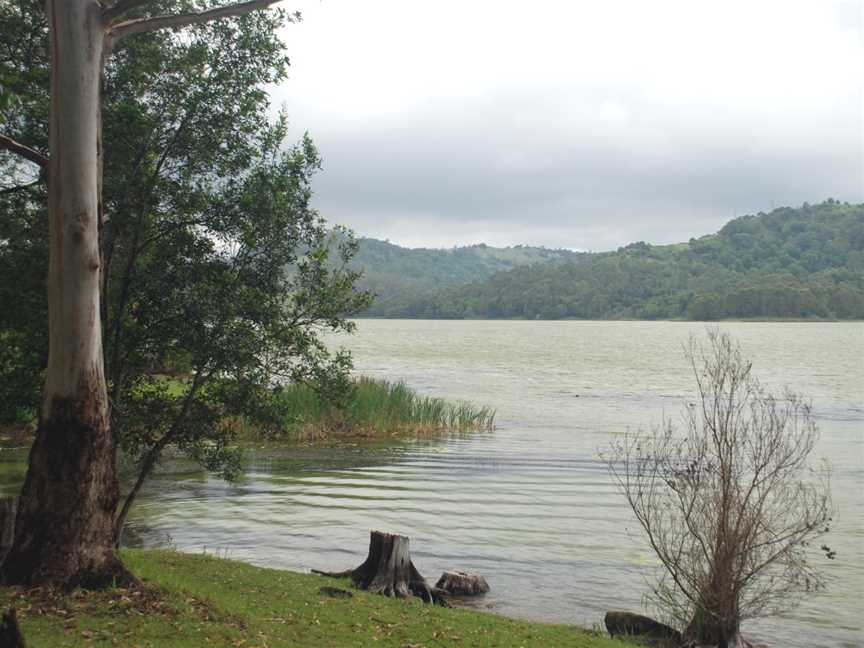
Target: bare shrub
{"type": "Point", "coordinates": [729, 504]}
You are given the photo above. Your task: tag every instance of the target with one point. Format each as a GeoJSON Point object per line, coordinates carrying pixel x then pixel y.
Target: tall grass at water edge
{"type": "Point", "coordinates": [380, 408]}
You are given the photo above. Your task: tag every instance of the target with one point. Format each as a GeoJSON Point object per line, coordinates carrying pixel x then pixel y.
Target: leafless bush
{"type": "Point", "coordinates": [729, 503]}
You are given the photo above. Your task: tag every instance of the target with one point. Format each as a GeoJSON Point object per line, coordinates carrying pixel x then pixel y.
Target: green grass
{"type": "Point", "coordinates": [195, 601]}
{"type": "Point", "coordinates": [379, 408]}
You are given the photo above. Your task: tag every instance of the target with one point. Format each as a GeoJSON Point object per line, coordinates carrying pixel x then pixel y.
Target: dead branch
{"type": "Point", "coordinates": [29, 154]}
{"type": "Point", "coordinates": [140, 25]}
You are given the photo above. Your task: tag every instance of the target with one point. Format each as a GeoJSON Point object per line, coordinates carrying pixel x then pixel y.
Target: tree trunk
{"type": "Point", "coordinates": [64, 532]}
{"type": "Point", "coordinates": [388, 570]}
{"type": "Point", "coordinates": [705, 628]}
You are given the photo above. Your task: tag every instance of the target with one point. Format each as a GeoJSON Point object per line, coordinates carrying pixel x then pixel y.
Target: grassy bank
{"type": "Point", "coordinates": [194, 601]}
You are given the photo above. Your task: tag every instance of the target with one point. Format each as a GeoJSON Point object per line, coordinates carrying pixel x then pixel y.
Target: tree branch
{"type": "Point", "coordinates": [122, 7]}
{"type": "Point", "coordinates": [152, 456]}
{"type": "Point", "coordinates": [137, 26]}
{"type": "Point", "coordinates": [24, 151]}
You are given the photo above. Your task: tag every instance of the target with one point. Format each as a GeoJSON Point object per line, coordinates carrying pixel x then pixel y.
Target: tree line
{"type": "Point", "coordinates": [396, 274]}
{"type": "Point", "coordinates": [805, 262]}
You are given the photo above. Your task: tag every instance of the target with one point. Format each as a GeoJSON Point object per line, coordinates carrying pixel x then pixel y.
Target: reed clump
{"type": "Point", "coordinates": [374, 408]}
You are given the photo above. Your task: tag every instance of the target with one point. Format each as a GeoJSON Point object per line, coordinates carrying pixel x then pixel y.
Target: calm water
{"type": "Point", "coordinates": [530, 505]}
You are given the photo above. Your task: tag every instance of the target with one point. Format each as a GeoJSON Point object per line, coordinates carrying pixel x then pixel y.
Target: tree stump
{"type": "Point", "coordinates": [10, 632]}
{"type": "Point", "coordinates": [388, 570]}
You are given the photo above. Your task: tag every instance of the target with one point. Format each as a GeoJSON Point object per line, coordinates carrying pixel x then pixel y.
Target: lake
{"type": "Point", "coordinates": [530, 505]}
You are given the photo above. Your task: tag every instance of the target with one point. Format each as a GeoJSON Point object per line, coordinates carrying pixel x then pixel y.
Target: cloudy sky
{"type": "Point", "coordinates": [578, 124]}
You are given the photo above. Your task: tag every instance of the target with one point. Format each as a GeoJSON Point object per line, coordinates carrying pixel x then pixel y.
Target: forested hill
{"type": "Point", "coordinates": [793, 262]}
{"type": "Point", "coordinates": [397, 275]}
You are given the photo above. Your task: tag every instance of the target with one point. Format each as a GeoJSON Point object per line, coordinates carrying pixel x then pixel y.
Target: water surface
{"type": "Point", "coordinates": [529, 505]}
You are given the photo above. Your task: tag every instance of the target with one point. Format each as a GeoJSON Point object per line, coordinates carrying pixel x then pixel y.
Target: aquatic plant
{"type": "Point", "coordinates": [374, 407]}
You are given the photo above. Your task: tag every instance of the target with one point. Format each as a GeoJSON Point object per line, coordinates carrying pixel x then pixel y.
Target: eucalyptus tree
{"type": "Point", "coordinates": [182, 257]}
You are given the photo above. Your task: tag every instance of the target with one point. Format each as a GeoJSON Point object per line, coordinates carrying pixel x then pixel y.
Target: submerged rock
{"type": "Point", "coordinates": [462, 583]}
{"type": "Point", "coordinates": [655, 633]}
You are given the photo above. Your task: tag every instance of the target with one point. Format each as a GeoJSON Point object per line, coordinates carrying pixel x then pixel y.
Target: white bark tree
{"type": "Point", "coordinates": [65, 527]}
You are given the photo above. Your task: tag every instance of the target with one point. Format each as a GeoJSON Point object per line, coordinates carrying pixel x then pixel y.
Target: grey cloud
{"type": "Point", "coordinates": [551, 167]}
{"type": "Point", "coordinates": [584, 125]}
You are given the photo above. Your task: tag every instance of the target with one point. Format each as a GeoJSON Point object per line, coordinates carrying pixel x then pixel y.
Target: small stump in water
{"type": "Point", "coordinates": [462, 583]}
{"type": "Point", "coordinates": [388, 570]}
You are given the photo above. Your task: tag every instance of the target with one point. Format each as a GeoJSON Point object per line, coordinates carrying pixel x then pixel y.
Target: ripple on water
{"type": "Point", "coordinates": [529, 506]}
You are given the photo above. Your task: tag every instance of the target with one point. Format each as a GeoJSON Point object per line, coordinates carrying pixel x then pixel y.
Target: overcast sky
{"type": "Point", "coordinates": [578, 124]}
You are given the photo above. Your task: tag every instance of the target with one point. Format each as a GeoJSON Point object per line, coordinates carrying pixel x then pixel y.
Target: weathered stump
{"type": "Point", "coordinates": [10, 631]}
{"type": "Point", "coordinates": [388, 570]}
{"type": "Point", "coordinates": [462, 583]}
{"type": "Point", "coordinates": [655, 633]}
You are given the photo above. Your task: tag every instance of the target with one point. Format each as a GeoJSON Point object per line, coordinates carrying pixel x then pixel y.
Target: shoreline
{"type": "Point", "coordinates": [741, 320]}
{"type": "Point", "coordinates": [188, 600]}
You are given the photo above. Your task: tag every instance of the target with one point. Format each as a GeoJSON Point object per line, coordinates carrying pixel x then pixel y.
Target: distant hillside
{"type": "Point", "coordinates": [793, 262]}
{"type": "Point", "coordinates": [398, 274]}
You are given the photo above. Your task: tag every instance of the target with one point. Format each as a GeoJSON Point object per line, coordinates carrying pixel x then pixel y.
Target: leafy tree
{"type": "Point", "coordinates": [208, 260]}
{"type": "Point", "coordinates": [397, 275]}
{"type": "Point", "coordinates": [804, 262]}
{"type": "Point", "coordinates": [730, 505]}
